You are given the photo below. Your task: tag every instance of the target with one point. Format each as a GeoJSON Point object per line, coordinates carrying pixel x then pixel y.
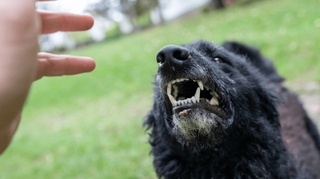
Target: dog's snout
{"type": "Point", "coordinates": [172, 54]}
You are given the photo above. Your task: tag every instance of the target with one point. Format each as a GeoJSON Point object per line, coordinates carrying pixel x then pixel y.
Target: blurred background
{"type": "Point", "coordinates": [90, 125]}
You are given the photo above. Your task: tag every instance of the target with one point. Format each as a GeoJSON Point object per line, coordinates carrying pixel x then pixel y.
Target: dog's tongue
{"type": "Point", "coordinates": [184, 112]}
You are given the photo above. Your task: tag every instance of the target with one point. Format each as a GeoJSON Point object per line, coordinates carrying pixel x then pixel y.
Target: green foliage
{"type": "Point", "coordinates": [90, 125]}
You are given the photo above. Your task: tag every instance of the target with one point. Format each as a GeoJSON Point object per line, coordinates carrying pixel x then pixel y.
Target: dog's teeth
{"type": "Point", "coordinates": [215, 94]}
{"type": "Point", "coordinates": [175, 91]}
{"type": "Point", "coordinates": [193, 99]}
{"type": "Point", "coordinates": [173, 81]}
{"type": "Point", "coordinates": [169, 88]}
{"type": "Point", "coordinates": [214, 101]}
{"type": "Point", "coordinates": [172, 100]}
{"type": "Point", "coordinates": [189, 100]}
{"type": "Point", "coordinates": [179, 80]}
{"type": "Point", "coordinates": [197, 95]}
{"type": "Point", "coordinates": [200, 84]}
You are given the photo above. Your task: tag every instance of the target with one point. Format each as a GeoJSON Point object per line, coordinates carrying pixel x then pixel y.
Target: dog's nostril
{"type": "Point", "coordinates": [172, 53]}
{"type": "Point", "coordinates": [161, 57]}
{"type": "Point", "coordinates": [181, 54]}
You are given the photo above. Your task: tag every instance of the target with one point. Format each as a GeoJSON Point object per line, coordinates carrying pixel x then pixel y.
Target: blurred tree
{"type": "Point", "coordinates": [217, 4]}
{"type": "Point", "coordinates": [145, 6]}
{"type": "Point", "coordinates": [133, 10]}
{"type": "Point", "coordinates": [100, 8]}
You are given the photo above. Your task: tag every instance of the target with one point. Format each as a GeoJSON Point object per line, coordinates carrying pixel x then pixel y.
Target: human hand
{"type": "Point", "coordinates": [20, 64]}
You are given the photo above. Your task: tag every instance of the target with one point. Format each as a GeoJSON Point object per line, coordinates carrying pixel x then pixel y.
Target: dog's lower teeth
{"type": "Point", "coordinates": [193, 99]}
{"type": "Point", "coordinates": [214, 101]}
{"type": "Point", "coordinates": [197, 95]}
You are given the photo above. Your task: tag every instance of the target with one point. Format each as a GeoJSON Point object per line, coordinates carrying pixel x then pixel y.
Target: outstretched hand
{"type": "Point", "coordinates": [21, 63]}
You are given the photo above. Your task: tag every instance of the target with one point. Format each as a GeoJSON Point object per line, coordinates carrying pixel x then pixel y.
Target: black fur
{"type": "Point", "coordinates": [299, 132]}
{"type": "Point", "coordinates": [244, 139]}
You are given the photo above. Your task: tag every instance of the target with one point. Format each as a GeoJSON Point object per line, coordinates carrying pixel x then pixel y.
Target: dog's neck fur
{"type": "Point", "coordinates": [251, 156]}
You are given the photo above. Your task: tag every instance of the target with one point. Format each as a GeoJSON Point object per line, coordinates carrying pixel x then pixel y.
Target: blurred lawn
{"type": "Point", "coordinates": [89, 126]}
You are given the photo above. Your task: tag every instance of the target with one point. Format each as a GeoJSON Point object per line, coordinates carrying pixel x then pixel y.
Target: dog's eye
{"type": "Point", "coordinates": [218, 60]}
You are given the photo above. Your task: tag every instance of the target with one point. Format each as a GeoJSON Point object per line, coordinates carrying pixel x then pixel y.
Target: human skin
{"type": "Point", "coordinates": [21, 63]}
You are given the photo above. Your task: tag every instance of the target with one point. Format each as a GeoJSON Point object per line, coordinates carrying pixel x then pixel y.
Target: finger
{"type": "Point", "coordinates": [53, 22]}
{"type": "Point", "coordinates": [59, 65]}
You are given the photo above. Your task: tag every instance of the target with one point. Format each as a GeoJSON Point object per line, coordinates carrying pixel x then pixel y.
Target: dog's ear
{"type": "Point", "coordinates": [253, 56]}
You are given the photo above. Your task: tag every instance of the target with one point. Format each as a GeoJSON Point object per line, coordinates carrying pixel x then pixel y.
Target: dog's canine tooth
{"type": "Point", "coordinates": [200, 84]}
{"type": "Point", "coordinates": [193, 99]}
{"type": "Point", "coordinates": [215, 94]}
{"type": "Point", "coordinates": [197, 95]}
{"type": "Point", "coordinates": [169, 88]}
{"type": "Point", "coordinates": [172, 100]}
{"type": "Point", "coordinates": [175, 91]}
{"type": "Point", "coordinates": [214, 101]}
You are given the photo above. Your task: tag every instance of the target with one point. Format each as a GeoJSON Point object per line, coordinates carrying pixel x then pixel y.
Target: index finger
{"type": "Point", "coordinates": [53, 22]}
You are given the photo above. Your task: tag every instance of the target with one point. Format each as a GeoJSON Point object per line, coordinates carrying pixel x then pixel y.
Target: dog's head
{"type": "Point", "coordinates": [203, 93]}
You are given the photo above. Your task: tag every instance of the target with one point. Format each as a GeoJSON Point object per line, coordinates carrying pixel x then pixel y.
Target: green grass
{"type": "Point", "coordinates": [89, 126]}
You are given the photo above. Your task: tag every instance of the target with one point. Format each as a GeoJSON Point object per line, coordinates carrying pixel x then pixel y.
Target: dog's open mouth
{"type": "Point", "coordinates": [186, 94]}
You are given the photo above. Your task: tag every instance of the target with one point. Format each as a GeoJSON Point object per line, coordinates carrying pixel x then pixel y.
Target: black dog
{"type": "Point", "coordinates": [213, 117]}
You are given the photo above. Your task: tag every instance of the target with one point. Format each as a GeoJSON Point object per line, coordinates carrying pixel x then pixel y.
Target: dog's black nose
{"type": "Point", "coordinates": [172, 54]}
